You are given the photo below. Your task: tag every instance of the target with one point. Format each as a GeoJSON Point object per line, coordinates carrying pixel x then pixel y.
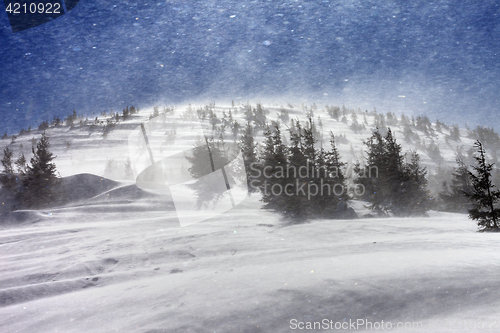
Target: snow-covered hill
{"type": "Point", "coordinates": [113, 258]}
{"type": "Point", "coordinates": [84, 148]}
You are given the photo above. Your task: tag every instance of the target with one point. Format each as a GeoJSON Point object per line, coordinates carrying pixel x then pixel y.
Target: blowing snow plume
{"type": "Point", "coordinates": [203, 181]}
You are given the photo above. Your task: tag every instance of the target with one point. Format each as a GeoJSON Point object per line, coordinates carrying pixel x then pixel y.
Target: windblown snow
{"type": "Point", "coordinates": [116, 260]}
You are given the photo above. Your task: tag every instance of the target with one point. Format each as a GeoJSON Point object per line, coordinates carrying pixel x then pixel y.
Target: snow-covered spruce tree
{"type": "Point", "coordinates": [21, 164]}
{"type": "Point", "coordinates": [284, 115]}
{"type": "Point", "coordinates": [40, 184]}
{"type": "Point", "coordinates": [296, 206]}
{"type": "Point", "coordinates": [333, 112]}
{"type": "Point", "coordinates": [454, 196]}
{"type": "Point", "coordinates": [309, 145]}
{"type": "Point", "coordinates": [7, 161]}
{"type": "Point", "coordinates": [415, 198]}
{"type": "Point", "coordinates": [371, 176]}
{"type": "Point", "coordinates": [7, 178]}
{"type": "Point", "coordinates": [406, 184]}
{"type": "Point", "coordinates": [259, 117]}
{"type": "Point", "coordinates": [315, 203]}
{"type": "Point", "coordinates": [70, 120]}
{"type": "Point", "coordinates": [483, 196]}
{"type": "Point", "coordinates": [391, 185]}
{"type": "Point", "coordinates": [249, 153]}
{"type": "Point", "coordinates": [312, 203]}
{"type": "Point", "coordinates": [235, 127]}
{"type": "Point", "coordinates": [396, 199]}
{"type": "Point", "coordinates": [334, 203]}
{"type": "Point", "coordinates": [273, 161]}
{"type": "Point", "coordinates": [454, 133]}
{"type": "Point", "coordinates": [126, 113]}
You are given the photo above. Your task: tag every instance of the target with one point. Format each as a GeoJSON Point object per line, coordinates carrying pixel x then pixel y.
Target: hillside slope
{"type": "Point", "coordinates": [114, 258]}
{"type": "Point", "coordinates": [84, 148]}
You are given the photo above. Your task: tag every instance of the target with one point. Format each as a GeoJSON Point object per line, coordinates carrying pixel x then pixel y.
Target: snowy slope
{"type": "Point", "coordinates": [242, 272]}
{"type": "Point", "coordinates": [116, 260]}
{"type": "Point", "coordinates": [84, 150]}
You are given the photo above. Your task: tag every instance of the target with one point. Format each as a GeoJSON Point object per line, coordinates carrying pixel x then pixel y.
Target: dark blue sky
{"type": "Point", "coordinates": [443, 56]}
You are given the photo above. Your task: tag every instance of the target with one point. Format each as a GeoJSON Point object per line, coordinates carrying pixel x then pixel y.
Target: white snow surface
{"type": "Point", "coordinates": [120, 262]}
{"type": "Point", "coordinates": [244, 271]}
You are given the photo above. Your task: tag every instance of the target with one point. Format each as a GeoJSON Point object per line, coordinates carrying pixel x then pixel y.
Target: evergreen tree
{"type": "Point", "coordinates": [40, 184]}
{"type": "Point", "coordinates": [310, 204]}
{"type": "Point", "coordinates": [21, 164]}
{"type": "Point", "coordinates": [333, 111]}
{"type": "Point", "coordinates": [296, 205]}
{"type": "Point", "coordinates": [126, 113]}
{"type": "Point", "coordinates": [259, 117]}
{"type": "Point", "coordinates": [415, 195]}
{"type": "Point", "coordinates": [7, 178]}
{"type": "Point", "coordinates": [334, 203]}
{"type": "Point", "coordinates": [249, 152]}
{"type": "Point", "coordinates": [43, 126]}
{"type": "Point", "coordinates": [393, 172]}
{"type": "Point", "coordinates": [235, 128]}
{"type": "Point", "coordinates": [332, 157]}
{"type": "Point", "coordinates": [7, 161]}
{"type": "Point", "coordinates": [390, 184]}
{"type": "Point", "coordinates": [309, 148]}
{"type": "Point", "coordinates": [284, 115]}
{"type": "Point", "coordinates": [454, 197]}
{"type": "Point", "coordinates": [371, 176]}
{"type": "Point", "coordinates": [273, 161]}
{"type": "Point", "coordinates": [454, 133]}
{"type": "Point", "coordinates": [483, 196]}
{"type": "Point", "coordinates": [70, 120]}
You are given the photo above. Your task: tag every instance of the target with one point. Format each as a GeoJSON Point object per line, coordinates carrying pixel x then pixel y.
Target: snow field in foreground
{"type": "Point", "coordinates": [244, 271]}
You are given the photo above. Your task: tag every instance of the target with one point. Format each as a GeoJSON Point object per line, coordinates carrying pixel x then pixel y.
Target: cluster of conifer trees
{"type": "Point", "coordinates": [303, 180]}
{"type": "Point", "coordinates": [298, 176]}
{"type": "Point", "coordinates": [391, 183]}
{"type": "Point", "coordinates": [300, 180]}
{"type": "Point", "coordinates": [33, 184]}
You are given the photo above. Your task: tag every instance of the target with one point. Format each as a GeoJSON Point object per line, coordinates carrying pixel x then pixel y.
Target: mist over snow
{"type": "Point", "coordinates": [110, 271]}
{"type": "Point", "coordinates": [114, 257]}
